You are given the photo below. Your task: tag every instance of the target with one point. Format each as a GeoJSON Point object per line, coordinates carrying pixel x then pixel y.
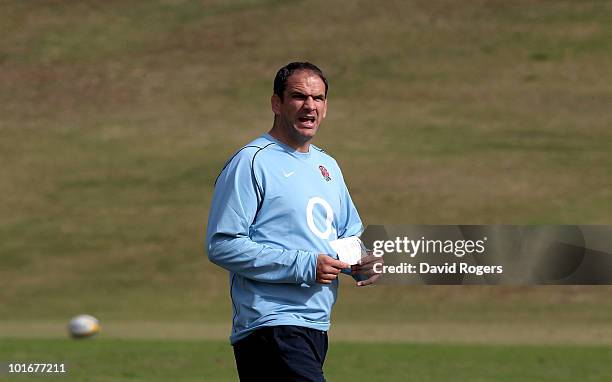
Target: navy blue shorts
{"type": "Point", "coordinates": [282, 353]}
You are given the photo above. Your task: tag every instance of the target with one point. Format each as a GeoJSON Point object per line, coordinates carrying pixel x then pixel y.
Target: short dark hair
{"type": "Point", "coordinates": [283, 74]}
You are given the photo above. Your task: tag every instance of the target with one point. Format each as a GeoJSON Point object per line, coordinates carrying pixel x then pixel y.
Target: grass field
{"type": "Point", "coordinates": [116, 116]}
{"type": "Point", "coordinates": [148, 360]}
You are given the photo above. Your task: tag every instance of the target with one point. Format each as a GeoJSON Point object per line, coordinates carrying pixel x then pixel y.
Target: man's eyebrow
{"type": "Point", "coordinates": [299, 93]}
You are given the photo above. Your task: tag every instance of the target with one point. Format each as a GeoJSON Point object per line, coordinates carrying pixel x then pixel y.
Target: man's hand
{"type": "Point", "coordinates": [328, 268]}
{"type": "Point", "coordinates": [366, 268]}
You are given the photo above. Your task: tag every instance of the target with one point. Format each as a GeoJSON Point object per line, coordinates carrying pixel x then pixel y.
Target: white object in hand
{"type": "Point", "coordinates": [349, 249]}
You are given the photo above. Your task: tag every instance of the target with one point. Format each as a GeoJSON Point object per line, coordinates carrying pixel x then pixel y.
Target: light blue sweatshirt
{"type": "Point", "coordinates": [274, 210]}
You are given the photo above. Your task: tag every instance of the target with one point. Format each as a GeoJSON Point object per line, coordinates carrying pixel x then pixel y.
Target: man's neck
{"type": "Point", "coordinates": [277, 134]}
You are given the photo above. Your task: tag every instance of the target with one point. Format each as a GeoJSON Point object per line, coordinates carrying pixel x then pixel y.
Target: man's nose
{"type": "Point", "coordinates": [309, 103]}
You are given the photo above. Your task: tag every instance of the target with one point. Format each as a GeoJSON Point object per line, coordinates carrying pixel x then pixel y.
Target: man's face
{"type": "Point", "coordinates": [303, 106]}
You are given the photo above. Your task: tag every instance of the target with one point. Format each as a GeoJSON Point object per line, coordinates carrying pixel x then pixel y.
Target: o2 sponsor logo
{"type": "Point", "coordinates": [329, 218]}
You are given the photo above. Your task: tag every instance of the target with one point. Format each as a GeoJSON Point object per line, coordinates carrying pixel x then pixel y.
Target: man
{"type": "Point", "coordinates": [278, 202]}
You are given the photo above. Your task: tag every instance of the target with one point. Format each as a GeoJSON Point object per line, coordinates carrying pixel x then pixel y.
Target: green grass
{"type": "Point", "coordinates": [145, 360]}
{"type": "Point", "coordinates": [130, 360]}
{"type": "Point", "coordinates": [117, 116]}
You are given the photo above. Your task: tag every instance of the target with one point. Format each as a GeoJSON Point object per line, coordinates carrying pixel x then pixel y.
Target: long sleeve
{"type": "Point", "coordinates": [233, 210]}
{"type": "Point", "coordinates": [351, 224]}
{"type": "Point", "coordinates": [349, 221]}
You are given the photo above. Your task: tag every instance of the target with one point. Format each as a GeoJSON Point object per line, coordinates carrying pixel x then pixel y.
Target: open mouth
{"type": "Point", "coordinates": [307, 120]}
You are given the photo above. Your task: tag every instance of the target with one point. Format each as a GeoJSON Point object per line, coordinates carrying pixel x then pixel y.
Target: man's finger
{"type": "Point", "coordinates": [366, 267]}
{"type": "Point", "coordinates": [329, 269]}
{"type": "Point", "coordinates": [366, 273]}
{"type": "Point", "coordinates": [363, 268]}
{"type": "Point", "coordinates": [338, 264]}
{"type": "Point", "coordinates": [369, 281]}
{"type": "Point", "coordinates": [370, 259]}
{"type": "Point", "coordinates": [328, 260]}
{"type": "Point", "coordinates": [328, 276]}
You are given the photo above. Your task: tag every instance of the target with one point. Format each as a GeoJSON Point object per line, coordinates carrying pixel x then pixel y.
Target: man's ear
{"type": "Point", "coordinates": [275, 101]}
{"type": "Point", "coordinates": [325, 108]}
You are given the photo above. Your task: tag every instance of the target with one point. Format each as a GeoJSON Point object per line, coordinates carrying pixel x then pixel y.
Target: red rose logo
{"type": "Point", "coordinates": [325, 173]}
